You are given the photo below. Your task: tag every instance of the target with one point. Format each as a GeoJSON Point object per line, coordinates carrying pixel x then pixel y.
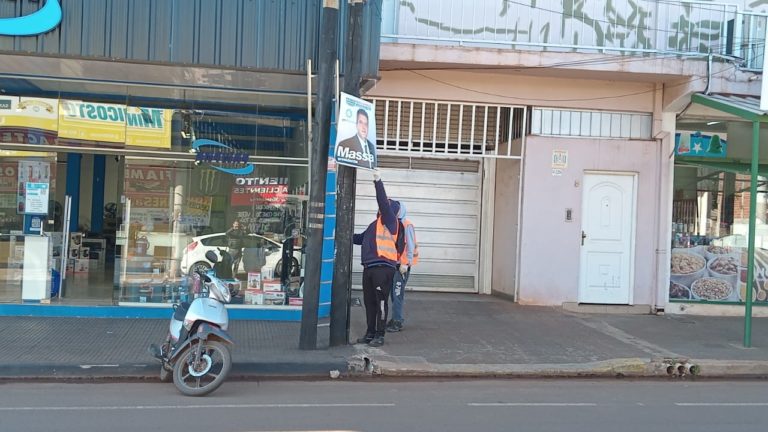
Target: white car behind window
{"type": "Point", "coordinates": [194, 254]}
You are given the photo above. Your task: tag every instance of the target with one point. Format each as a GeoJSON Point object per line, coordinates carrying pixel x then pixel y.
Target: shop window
{"type": "Point", "coordinates": [710, 228]}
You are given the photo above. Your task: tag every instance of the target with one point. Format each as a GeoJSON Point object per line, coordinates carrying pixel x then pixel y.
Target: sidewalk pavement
{"type": "Point", "coordinates": [445, 335]}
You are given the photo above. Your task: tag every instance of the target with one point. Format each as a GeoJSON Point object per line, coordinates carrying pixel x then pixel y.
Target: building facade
{"type": "Point", "coordinates": [540, 146]}
{"type": "Point", "coordinates": [134, 134]}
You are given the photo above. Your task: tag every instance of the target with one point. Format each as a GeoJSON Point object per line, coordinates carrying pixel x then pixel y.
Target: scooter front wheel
{"type": "Point", "coordinates": [199, 375]}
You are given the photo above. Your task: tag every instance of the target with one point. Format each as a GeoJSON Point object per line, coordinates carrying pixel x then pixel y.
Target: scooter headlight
{"type": "Point", "coordinates": [188, 324]}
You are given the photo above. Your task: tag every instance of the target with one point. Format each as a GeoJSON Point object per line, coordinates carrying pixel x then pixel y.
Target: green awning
{"type": "Point", "coordinates": [743, 107]}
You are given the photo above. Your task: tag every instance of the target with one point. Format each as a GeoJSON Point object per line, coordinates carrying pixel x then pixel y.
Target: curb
{"type": "Point", "coordinates": [151, 371]}
{"type": "Point", "coordinates": [366, 365]}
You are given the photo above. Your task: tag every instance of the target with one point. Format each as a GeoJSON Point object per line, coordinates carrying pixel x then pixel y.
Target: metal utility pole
{"type": "Point", "coordinates": [327, 56]}
{"type": "Point", "coordinates": [341, 291]}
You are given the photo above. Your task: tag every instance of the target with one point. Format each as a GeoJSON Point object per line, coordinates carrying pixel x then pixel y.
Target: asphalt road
{"type": "Point", "coordinates": [476, 405]}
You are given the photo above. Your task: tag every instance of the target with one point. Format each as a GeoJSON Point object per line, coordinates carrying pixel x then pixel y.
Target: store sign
{"type": "Point", "coordinates": [134, 126]}
{"type": "Point", "coordinates": [149, 187]}
{"type": "Point", "coordinates": [249, 191]}
{"type": "Point", "coordinates": [197, 211]}
{"type": "Point", "coordinates": [37, 198]}
{"type": "Point", "coordinates": [699, 145]}
{"type": "Point", "coordinates": [44, 20]}
{"type": "Point", "coordinates": [30, 172]}
{"type": "Point", "coordinates": [221, 157]}
{"type": "Point", "coordinates": [25, 120]}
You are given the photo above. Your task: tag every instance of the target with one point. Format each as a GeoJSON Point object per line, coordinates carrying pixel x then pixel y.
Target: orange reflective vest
{"type": "Point", "coordinates": [404, 255]}
{"type": "Point", "coordinates": [385, 242]}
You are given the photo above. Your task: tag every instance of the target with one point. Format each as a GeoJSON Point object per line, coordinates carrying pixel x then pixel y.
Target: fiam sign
{"type": "Point", "coordinates": [44, 20]}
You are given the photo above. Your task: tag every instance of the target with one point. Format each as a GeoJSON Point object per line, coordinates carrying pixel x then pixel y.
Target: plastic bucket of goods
{"type": "Point", "coordinates": [714, 251]}
{"type": "Point", "coordinates": [713, 289]}
{"type": "Point", "coordinates": [725, 267]}
{"type": "Point", "coordinates": [679, 292]}
{"type": "Point", "coordinates": [686, 267]}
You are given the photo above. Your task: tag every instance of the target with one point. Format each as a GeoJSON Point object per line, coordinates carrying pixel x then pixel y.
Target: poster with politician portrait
{"type": "Point", "coordinates": [356, 133]}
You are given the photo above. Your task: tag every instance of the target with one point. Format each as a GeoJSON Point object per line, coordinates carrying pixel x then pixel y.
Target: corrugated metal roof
{"type": "Point", "coordinates": [261, 34]}
{"type": "Point", "coordinates": [266, 35]}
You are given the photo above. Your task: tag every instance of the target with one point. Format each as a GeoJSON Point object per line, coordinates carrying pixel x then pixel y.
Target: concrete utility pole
{"type": "Point", "coordinates": [327, 56]}
{"type": "Point", "coordinates": [341, 291]}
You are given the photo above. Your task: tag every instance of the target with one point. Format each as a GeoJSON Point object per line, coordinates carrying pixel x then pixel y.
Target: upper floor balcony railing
{"type": "Point", "coordinates": [623, 27]}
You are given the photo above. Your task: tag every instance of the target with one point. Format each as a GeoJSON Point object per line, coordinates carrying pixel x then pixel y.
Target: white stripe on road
{"type": "Point", "coordinates": [711, 404]}
{"type": "Point", "coordinates": [530, 404]}
{"type": "Point", "coordinates": [567, 404]}
{"type": "Point", "coordinates": [161, 407]}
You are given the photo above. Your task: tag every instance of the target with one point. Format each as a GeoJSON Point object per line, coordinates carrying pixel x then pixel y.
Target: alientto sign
{"type": "Point", "coordinates": [249, 191]}
{"type": "Point", "coordinates": [41, 21]}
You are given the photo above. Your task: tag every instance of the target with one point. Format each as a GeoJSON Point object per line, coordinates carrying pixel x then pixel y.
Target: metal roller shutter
{"type": "Point", "coordinates": [442, 199]}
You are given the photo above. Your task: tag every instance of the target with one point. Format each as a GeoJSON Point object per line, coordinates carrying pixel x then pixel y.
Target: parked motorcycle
{"type": "Point", "coordinates": [196, 352]}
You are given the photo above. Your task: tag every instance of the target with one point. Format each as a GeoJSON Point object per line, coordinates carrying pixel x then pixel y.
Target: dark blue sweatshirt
{"type": "Point", "coordinates": [388, 211]}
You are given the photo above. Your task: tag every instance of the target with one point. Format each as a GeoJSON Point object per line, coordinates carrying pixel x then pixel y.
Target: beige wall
{"type": "Point", "coordinates": [509, 89]}
{"type": "Point", "coordinates": [550, 247]}
{"type": "Point", "coordinates": [505, 226]}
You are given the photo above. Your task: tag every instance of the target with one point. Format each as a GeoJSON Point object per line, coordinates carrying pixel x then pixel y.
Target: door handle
{"type": "Point", "coordinates": [583, 236]}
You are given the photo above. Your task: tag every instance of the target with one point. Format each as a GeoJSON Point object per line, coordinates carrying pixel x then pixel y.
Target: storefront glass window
{"type": "Point", "coordinates": [23, 176]}
{"type": "Point", "coordinates": [175, 212]}
{"type": "Point", "coordinates": [710, 227]}
{"type": "Point", "coordinates": [152, 189]}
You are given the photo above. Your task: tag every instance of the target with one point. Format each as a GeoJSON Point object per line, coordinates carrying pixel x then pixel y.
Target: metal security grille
{"type": "Point", "coordinates": [450, 128]}
{"type": "Point", "coordinates": [445, 207]}
{"type": "Point", "coordinates": [593, 124]}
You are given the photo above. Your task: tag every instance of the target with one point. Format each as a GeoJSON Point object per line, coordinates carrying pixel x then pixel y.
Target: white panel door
{"type": "Point", "coordinates": [444, 207]}
{"type": "Point", "coordinates": [608, 226]}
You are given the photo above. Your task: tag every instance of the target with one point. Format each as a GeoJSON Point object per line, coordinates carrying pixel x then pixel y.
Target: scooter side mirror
{"type": "Point", "coordinates": [211, 256]}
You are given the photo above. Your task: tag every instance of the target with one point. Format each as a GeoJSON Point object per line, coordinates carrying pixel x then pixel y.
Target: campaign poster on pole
{"type": "Point", "coordinates": [356, 133]}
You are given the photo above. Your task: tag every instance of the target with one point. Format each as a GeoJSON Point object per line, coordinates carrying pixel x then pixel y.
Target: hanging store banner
{"type": "Point", "coordinates": [148, 179]}
{"type": "Point", "coordinates": [36, 198]}
{"type": "Point", "coordinates": [696, 144]}
{"type": "Point", "coordinates": [30, 172]}
{"type": "Point", "coordinates": [149, 187]}
{"type": "Point", "coordinates": [155, 134]}
{"type": "Point", "coordinates": [26, 120]}
{"type": "Point", "coordinates": [8, 185]}
{"type": "Point", "coordinates": [109, 123]}
{"type": "Point", "coordinates": [8, 177]}
{"type": "Point", "coordinates": [88, 121]}
{"type": "Point", "coordinates": [197, 211]}
{"type": "Point", "coordinates": [250, 191]}
{"type": "Point", "coordinates": [261, 218]}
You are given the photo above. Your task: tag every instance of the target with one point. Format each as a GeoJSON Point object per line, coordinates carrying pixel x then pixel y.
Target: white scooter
{"type": "Point", "coordinates": [196, 351]}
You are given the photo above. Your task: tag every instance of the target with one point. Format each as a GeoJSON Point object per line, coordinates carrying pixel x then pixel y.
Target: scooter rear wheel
{"type": "Point", "coordinates": [200, 376]}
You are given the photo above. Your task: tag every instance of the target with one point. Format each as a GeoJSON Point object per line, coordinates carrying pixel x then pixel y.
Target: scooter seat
{"type": "Point", "coordinates": [180, 312]}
